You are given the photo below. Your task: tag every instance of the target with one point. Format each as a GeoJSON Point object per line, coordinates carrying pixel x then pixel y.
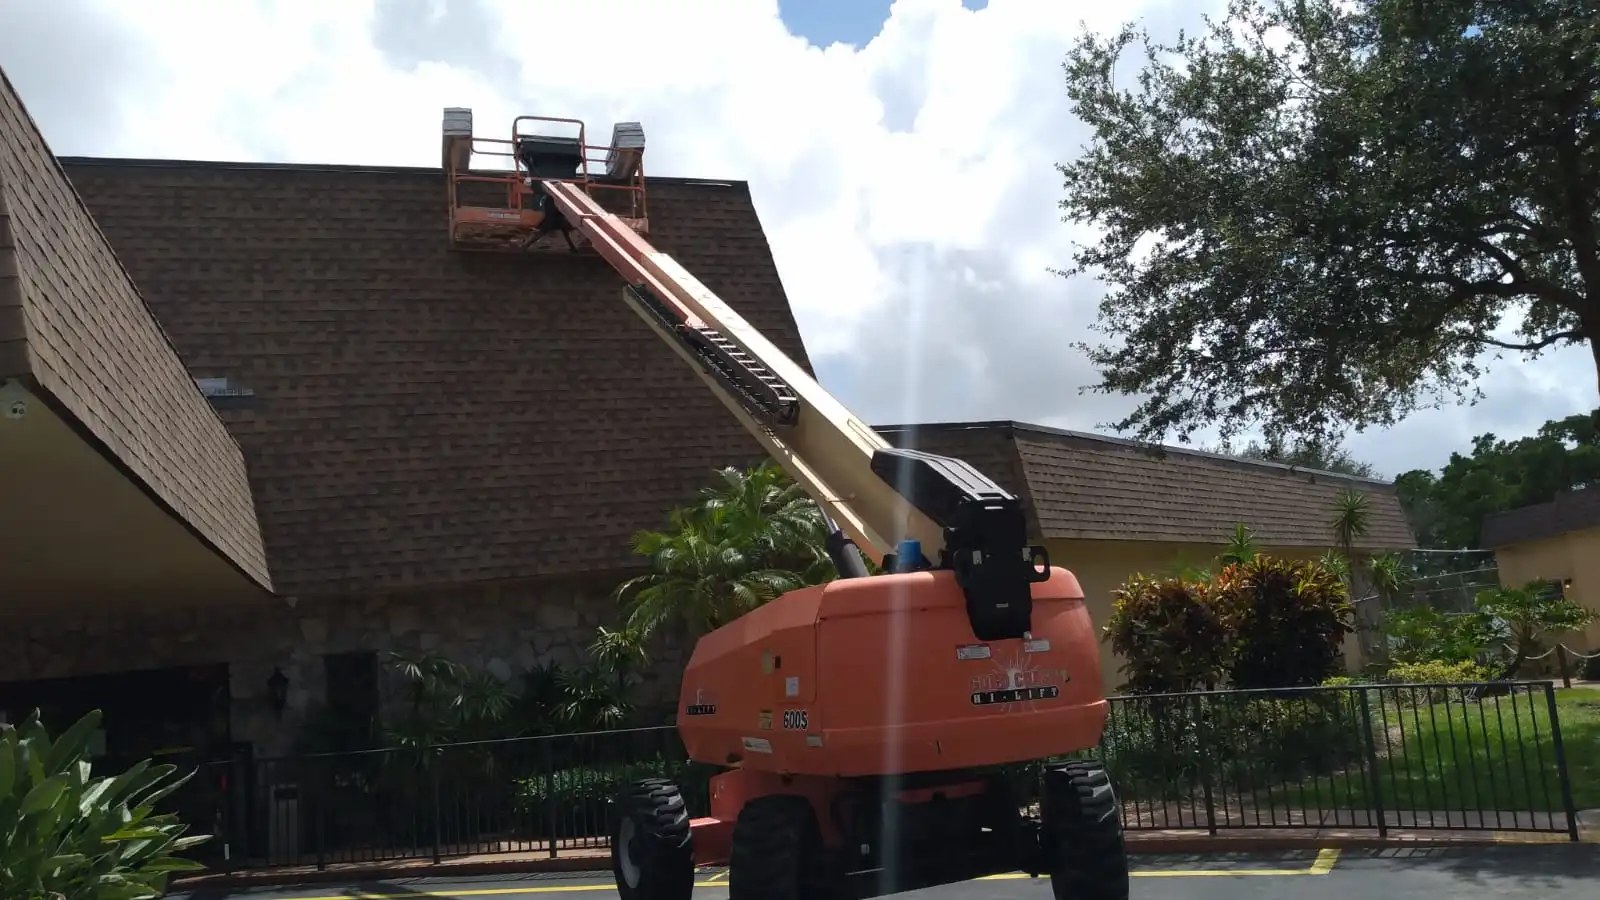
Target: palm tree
{"type": "Point", "coordinates": [1352, 519]}
{"type": "Point", "coordinates": [774, 512]}
{"type": "Point", "coordinates": [1241, 547]}
{"type": "Point", "coordinates": [747, 540]}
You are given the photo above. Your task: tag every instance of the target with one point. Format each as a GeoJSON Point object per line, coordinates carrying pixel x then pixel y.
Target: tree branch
{"type": "Point", "coordinates": [1461, 289]}
{"type": "Point", "coordinates": [1546, 341]}
{"type": "Point", "coordinates": [1543, 288]}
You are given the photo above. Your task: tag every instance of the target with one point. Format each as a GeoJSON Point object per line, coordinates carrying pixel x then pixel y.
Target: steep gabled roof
{"type": "Point", "coordinates": [420, 416]}
{"type": "Point", "coordinates": [1089, 486]}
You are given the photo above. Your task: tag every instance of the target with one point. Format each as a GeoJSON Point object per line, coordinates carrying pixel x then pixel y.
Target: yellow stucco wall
{"type": "Point", "coordinates": [1574, 555]}
{"type": "Point", "coordinates": [1104, 566]}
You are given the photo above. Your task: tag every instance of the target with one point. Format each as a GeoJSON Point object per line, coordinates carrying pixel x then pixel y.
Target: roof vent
{"type": "Point", "coordinates": [627, 146]}
{"type": "Point", "coordinates": [457, 140]}
{"type": "Point", "coordinates": [458, 121]}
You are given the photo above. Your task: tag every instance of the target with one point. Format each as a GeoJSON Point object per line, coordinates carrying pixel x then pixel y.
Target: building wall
{"type": "Point", "coordinates": [502, 628]}
{"type": "Point", "coordinates": [1104, 566]}
{"type": "Point", "coordinates": [1574, 556]}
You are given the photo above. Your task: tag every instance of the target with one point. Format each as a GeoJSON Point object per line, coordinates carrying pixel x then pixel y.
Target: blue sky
{"type": "Point", "coordinates": [823, 22]}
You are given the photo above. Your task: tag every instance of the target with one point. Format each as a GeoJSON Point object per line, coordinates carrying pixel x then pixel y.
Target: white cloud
{"type": "Point", "coordinates": [907, 186]}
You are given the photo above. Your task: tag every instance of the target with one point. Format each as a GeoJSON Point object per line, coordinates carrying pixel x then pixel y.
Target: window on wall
{"type": "Point", "coordinates": [352, 680]}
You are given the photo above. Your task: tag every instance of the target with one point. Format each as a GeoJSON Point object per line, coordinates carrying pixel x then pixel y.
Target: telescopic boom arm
{"type": "Point", "coordinates": [904, 509]}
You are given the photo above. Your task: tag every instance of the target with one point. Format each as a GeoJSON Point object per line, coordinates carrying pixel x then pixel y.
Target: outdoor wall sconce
{"type": "Point", "coordinates": [277, 690]}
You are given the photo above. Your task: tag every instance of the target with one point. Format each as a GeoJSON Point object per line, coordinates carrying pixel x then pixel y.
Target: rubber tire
{"type": "Point", "coordinates": [663, 846]}
{"type": "Point", "coordinates": [776, 851]}
{"type": "Point", "coordinates": [1082, 823]}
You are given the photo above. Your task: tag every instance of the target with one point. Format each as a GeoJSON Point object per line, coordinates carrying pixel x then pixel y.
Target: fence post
{"type": "Point", "coordinates": [438, 810]}
{"type": "Point", "coordinates": [1562, 774]}
{"type": "Point", "coordinates": [1204, 745]}
{"type": "Point", "coordinates": [318, 815]}
{"type": "Point", "coordinates": [551, 806]}
{"type": "Point", "coordinates": [1371, 756]}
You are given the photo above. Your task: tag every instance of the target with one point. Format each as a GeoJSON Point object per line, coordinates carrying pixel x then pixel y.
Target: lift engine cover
{"type": "Point", "coordinates": [867, 675]}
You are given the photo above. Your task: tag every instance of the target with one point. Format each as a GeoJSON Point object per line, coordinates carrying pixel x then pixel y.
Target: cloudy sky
{"type": "Point", "coordinates": [901, 156]}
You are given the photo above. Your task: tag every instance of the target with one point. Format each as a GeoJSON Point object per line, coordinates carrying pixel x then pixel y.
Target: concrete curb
{"type": "Point", "coordinates": [1137, 844]}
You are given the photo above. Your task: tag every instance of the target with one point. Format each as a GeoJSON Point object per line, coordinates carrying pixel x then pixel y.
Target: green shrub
{"type": "Point", "coordinates": [1438, 672]}
{"type": "Point", "coordinates": [1153, 749]}
{"type": "Point", "coordinates": [65, 835]}
{"type": "Point", "coordinates": [1435, 672]}
{"type": "Point", "coordinates": [578, 798]}
{"type": "Point", "coordinates": [1165, 749]}
{"type": "Point", "coordinates": [1295, 737]}
{"type": "Point", "coordinates": [1289, 618]}
{"type": "Point", "coordinates": [1421, 634]}
{"type": "Point", "coordinates": [1170, 634]}
{"type": "Point", "coordinates": [1590, 670]}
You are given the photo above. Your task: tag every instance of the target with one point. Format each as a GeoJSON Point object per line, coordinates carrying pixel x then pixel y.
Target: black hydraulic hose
{"type": "Point", "coordinates": [846, 558]}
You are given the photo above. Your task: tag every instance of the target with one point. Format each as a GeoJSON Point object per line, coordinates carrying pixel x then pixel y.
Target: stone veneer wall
{"type": "Point", "coordinates": [503, 628]}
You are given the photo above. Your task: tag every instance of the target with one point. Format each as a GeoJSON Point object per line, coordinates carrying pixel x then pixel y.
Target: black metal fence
{"type": "Point", "coordinates": [540, 795]}
{"type": "Point", "coordinates": [1369, 757]}
{"type": "Point", "coordinates": [1363, 757]}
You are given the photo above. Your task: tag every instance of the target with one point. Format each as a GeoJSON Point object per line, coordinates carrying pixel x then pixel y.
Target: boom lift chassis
{"type": "Point", "coordinates": [867, 729]}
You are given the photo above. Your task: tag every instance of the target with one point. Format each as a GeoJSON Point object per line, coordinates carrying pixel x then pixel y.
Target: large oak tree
{"type": "Point", "coordinates": [1321, 214]}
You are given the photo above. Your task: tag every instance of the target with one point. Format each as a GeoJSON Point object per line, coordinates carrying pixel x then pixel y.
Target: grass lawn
{"type": "Point", "coordinates": [1495, 755]}
{"type": "Point", "coordinates": [1580, 732]}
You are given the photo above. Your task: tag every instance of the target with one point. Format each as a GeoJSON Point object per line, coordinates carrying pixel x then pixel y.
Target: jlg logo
{"type": "Point", "coordinates": [1014, 679]}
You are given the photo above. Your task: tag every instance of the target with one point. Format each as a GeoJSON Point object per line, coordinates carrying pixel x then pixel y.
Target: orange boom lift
{"type": "Point", "coordinates": [861, 725]}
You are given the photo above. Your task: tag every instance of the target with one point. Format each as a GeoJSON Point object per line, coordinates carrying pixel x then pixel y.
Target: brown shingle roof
{"type": "Point", "coordinates": [1089, 486]}
{"type": "Point", "coordinates": [422, 416]}
{"type": "Point", "coordinates": [1569, 511]}
{"type": "Point", "coordinates": [73, 326]}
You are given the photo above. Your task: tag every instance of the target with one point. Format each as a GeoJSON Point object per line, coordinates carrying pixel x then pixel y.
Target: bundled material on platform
{"type": "Point", "coordinates": [627, 144]}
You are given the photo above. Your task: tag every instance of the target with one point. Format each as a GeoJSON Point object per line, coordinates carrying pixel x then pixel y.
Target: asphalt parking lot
{"type": "Point", "coordinates": [1501, 873]}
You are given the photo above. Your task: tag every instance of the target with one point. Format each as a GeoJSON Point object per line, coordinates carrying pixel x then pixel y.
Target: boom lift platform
{"type": "Point", "coordinates": [863, 726]}
{"type": "Point", "coordinates": [509, 209]}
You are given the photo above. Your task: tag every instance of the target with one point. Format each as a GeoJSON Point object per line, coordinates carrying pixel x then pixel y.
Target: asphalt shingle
{"type": "Point", "coordinates": [74, 327]}
{"type": "Point", "coordinates": [1092, 487]}
{"type": "Point", "coordinates": [423, 416]}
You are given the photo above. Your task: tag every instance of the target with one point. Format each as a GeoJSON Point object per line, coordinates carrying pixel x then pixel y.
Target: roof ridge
{"type": "Point", "coordinates": [343, 168]}
{"type": "Point", "coordinates": [1050, 431]}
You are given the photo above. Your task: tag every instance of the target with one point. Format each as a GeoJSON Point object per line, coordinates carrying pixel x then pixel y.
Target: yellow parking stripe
{"type": "Point", "coordinates": [1322, 866]}
{"type": "Point", "coordinates": [1324, 863]}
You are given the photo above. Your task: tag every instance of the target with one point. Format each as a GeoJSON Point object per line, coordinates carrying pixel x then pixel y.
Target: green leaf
{"type": "Point", "coordinates": [133, 834]}
{"type": "Point", "coordinates": [72, 743]}
{"type": "Point", "coordinates": [170, 864]}
{"type": "Point", "coordinates": [43, 795]}
{"type": "Point", "coordinates": [129, 781]}
{"type": "Point", "coordinates": [69, 859]}
{"type": "Point", "coordinates": [193, 840]}
{"type": "Point", "coordinates": [8, 762]}
{"type": "Point", "coordinates": [156, 795]}
{"type": "Point", "coordinates": [125, 891]}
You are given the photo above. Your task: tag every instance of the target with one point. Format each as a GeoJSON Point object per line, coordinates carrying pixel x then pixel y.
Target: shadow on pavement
{"type": "Point", "coordinates": [1550, 865]}
{"type": "Point", "coordinates": [349, 889]}
{"type": "Point", "coordinates": [400, 886]}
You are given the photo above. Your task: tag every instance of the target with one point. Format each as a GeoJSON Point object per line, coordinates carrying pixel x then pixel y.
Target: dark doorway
{"type": "Point", "coordinates": [154, 712]}
{"type": "Point", "coordinates": [178, 716]}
